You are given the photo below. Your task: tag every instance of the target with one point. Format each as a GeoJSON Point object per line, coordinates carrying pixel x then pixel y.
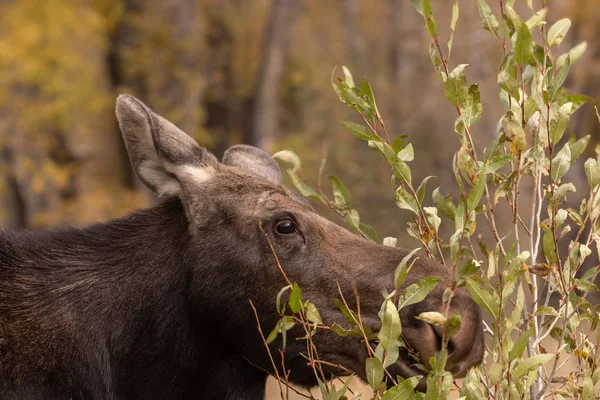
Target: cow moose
{"type": "Point", "coordinates": [155, 305]}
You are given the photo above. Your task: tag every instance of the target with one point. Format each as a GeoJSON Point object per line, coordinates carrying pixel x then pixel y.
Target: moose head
{"type": "Point", "coordinates": [229, 205]}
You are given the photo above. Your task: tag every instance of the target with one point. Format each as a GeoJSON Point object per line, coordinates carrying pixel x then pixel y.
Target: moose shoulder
{"type": "Point", "coordinates": [156, 305]}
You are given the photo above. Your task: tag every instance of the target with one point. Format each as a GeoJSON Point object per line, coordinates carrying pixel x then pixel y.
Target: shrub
{"type": "Point", "coordinates": [529, 278]}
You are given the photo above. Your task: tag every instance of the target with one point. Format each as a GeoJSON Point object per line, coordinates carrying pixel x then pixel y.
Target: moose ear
{"type": "Point", "coordinates": [254, 160]}
{"type": "Point", "coordinates": [163, 156]}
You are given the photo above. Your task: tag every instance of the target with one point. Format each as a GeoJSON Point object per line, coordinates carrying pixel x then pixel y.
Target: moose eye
{"type": "Point", "coordinates": [285, 227]}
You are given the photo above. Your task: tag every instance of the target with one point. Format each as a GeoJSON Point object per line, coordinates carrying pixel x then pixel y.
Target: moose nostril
{"type": "Point", "coordinates": [450, 346]}
{"type": "Point", "coordinates": [456, 369]}
{"type": "Point", "coordinates": [437, 332]}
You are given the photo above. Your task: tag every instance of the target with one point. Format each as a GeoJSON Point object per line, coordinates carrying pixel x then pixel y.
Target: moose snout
{"type": "Point", "coordinates": [465, 347]}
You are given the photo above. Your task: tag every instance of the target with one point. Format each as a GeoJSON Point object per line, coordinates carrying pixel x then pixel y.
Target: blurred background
{"type": "Point", "coordinates": [239, 71]}
{"type": "Point", "coordinates": [236, 71]}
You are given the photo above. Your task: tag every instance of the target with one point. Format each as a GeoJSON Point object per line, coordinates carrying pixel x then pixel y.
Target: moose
{"type": "Point", "coordinates": [156, 305]}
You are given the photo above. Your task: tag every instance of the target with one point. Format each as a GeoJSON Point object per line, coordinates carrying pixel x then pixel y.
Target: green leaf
{"type": "Point", "coordinates": [562, 190]}
{"type": "Point", "coordinates": [295, 300]}
{"type": "Point", "coordinates": [560, 78]}
{"type": "Point", "coordinates": [360, 131]}
{"type": "Point", "coordinates": [407, 154]}
{"type": "Point", "coordinates": [390, 241]}
{"type": "Point", "coordinates": [456, 169]}
{"type": "Point", "coordinates": [349, 315]}
{"type": "Point", "coordinates": [539, 54]}
{"type": "Point", "coordinates": [507, 77]}
{"type": "Point", "coordinates": [524, 46]}
{"type": "Point", "coordinates": [402, 171]}
{"type": "Point", "coordinates": [312, 313]}
{"type": "Point", "coordinates": [374, 370]}
{"type": "Point", "coordinates": [488, 19]}
{"type": "Point", "coordinates": [470, 389]}
{"type": "Point", "coordinates": [578, 100]}
{"type": "Point", "coordinates": [348, 76]}
{"type": "Point", "coordinates": [457, 90]}
{"type": "Point", "coordinates": [578, 147]}
{"type": "Point", "coordinates": [444, 203]}
{"type": "Point", "coordinates": [421, 189]}
{"type": "Point", "coordinates": [352, 96]}
{"type": "Point", "coordinates": [404, 390]}
{"type": "Point", "coordinates": [546, 310]}
{"type": "Point", "coordinates": [285, 324]}
{"type": "Point", "coordinates": [273, 335]}
{"type": "Point", "coordinates": [386, 150]}
{"type": "Point", "coordinates": [517, 136]}
{"type": "Point", "coordinates": [289, 157]}
{"type": "Point", "coordinates": [418, 6]}
{"type": "Point", "coordinates": [472, 108]}
{"type": "Point", "coordinates": [352, 220]}
{"type": "Point", "coordinates": [433, 318]}
{"type": "Point", "coordinates": [483, 297]}
{"type": "Point", "coordinates": [497, 162]}
{"type": "Point", "coordinates": [575, 216]}
{"type": "Point", "coordinates": [405, 201]}
{"type": "Point", "coordinates": [431, 214]}
{"type": "Point", "coordinates": [278, 307]}
{"type": "Point", "coordinates": [438, 362]}
{"type": "Point", "coordinates": [516, 314]}
{"type": "Point", "coordinates": [398, 143]}
{"type": "Point", "coordinates": [495, 373]}
{"type": "Point", "coordinates": [548, 244]}
{"type": "Point", "coordinates": [592, 171]}
{"type": "Point", "coordinates": [454, 19]}
{"type": "Point", "coordinates": [303, 188]}
{"type": "Point", "coordinates": [587, 392]}
{"type": "Point", "coordinates": [417, 292]}
{"type": "Point", "coordinates": [390, 325]}
{"type": "Point", "coordinates": [469, 268]}
{"type": "Point", "coordinates": [537, 18]}
{"type": "Point", "coordinates": [531, 364]}
{"type": "Point", "coordinates": [368, 91]}
{"type": "Point", "coordinates": [453, 324]}
{"type": "Point", "coordinates": [341, 195]}
{"type": "Point", "coordinates": [456, 237]}
{"type": "Point", "coordinates": [574, 54]}
{"type": "Point", "coordinates": [466, 165]}
{"type": "Point", "coordinates": [520, 344]}
{"type": "Point", "coordinates": [477, 191]}
{"type": "Point", "coordinates": [403, 268]}
{"type": "Point", "coordinates": [369, 231]}
{"type": "Point", "coordinates": [558, 31]}
{"type": "Point", "coordinates": [436, 61]}
{"type": "Point", "coordinates": [559, 122]}
{"type": "Point", "coordinates": [561, 163]}
{"type": "Point", "coordinates": [428, 16]}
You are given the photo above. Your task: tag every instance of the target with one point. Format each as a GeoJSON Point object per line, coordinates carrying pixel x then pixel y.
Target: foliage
{"type": "Point", "coordinates": [530, 280]}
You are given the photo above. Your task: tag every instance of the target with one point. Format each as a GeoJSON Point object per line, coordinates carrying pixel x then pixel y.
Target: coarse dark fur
{"type": "Point", "coordinates": [156, 305]}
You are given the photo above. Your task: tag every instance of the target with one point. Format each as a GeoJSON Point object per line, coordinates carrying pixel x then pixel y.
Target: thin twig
{"type": "Point", "coordinates": [262, 336]}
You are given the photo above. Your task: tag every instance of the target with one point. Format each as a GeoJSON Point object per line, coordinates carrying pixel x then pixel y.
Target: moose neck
{"type": "Point", "coordinates": [123, 286]}
{"type": "Point", "coordinates": [205, 360]}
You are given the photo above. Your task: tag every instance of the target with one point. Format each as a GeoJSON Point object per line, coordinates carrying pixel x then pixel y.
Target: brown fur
{"type": "Point", "coordinates": [156, 305]}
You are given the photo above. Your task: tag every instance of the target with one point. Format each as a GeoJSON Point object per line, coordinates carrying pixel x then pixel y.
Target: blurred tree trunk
{"type": "Point", "coordinates": [354, 40]}
{"type": "Point", "coordinates": [167, 77]}
{"type": "Point", "coordinates": [277, 37]}
{"type": "Point", "coordinates": [397, 62]}
{"type": "Point", "coordinates": [13, 214]}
